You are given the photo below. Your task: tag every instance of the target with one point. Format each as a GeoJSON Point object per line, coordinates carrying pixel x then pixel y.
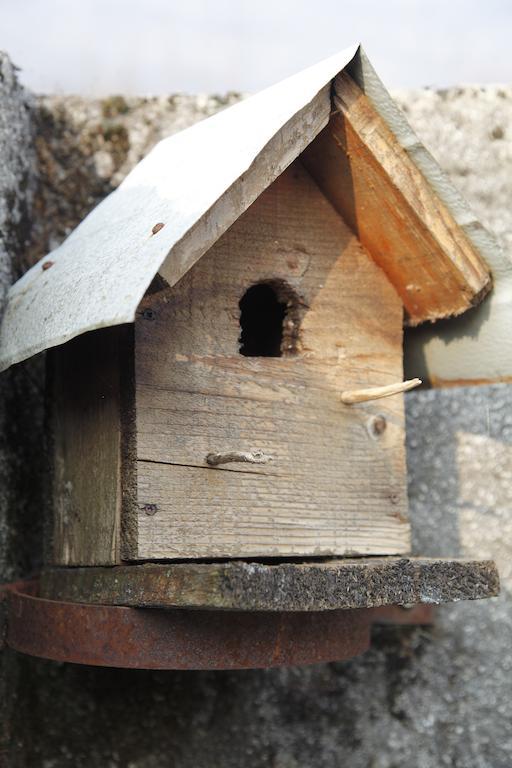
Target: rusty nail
{"type": "Point", "coordinates": [47, 265]}
{"type": "Point", "coordinates": [157, 228]}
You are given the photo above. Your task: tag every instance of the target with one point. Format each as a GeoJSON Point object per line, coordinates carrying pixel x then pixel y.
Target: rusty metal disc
{"type": "Point", "coordinates": [149, 638]}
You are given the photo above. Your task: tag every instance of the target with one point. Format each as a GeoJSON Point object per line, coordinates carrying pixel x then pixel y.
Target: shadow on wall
{"type": "Point", "coordinates": [459, 455]}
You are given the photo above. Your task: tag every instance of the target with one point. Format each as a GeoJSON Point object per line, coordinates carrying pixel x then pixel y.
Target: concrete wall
{"type": "Point", "coordinates": [421, 697]}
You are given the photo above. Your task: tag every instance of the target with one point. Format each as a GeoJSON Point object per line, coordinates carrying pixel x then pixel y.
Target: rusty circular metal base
{"type": "Point", "coordinates": [152, 638]}
{"type": "Point", "coordinates": [149, 638]}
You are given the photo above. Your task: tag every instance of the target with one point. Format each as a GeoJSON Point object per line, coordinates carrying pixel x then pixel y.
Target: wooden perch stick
{"type": "Point", "coordinates": [351, 396]}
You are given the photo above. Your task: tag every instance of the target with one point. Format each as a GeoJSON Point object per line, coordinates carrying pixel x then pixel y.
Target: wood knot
{"type": "Point", "coordinates": [377, 425]}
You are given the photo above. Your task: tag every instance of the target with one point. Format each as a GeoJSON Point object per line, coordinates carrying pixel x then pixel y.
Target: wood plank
{"type": "Point", "coordinates": [371, 180]}
{"type": "Point", "coordinates": [332, 487]}
{"type": "Point", "coordinates": [309, 586]}
{"type": "Point", "coordinates": [87, 449]}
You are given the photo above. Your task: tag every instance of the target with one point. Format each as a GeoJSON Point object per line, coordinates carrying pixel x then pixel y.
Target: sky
{"type": "Point", "coordinates": [98, 47]}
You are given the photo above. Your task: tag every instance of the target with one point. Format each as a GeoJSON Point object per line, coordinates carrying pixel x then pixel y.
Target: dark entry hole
{"type": "Point", "coordinates": [262, 317]}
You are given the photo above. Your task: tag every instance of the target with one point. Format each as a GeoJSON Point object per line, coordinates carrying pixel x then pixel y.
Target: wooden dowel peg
{"type": "Point", "coordinates": [351, 396]}
{"type": "Point", "coordinates": [247, 457]}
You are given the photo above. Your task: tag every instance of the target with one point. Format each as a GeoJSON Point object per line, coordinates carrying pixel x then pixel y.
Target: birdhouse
{"type": "Point", "coordinates": [225, 349]}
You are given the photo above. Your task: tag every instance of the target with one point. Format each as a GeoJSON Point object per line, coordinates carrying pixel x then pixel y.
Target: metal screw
{"type": "Point", "coordinates": [149, 314]}
{"type": "Point", "coordinates": [150, 509]}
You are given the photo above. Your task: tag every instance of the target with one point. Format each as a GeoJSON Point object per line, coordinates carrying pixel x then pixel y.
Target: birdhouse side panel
{"type": "Point", "coordinates": [246, 358]}
{"type": "Point", "coordinates": [88, 380]}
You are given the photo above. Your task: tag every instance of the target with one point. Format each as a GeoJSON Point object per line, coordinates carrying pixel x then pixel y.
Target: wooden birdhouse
{"type": "Point", "coordinates": [225, 336]}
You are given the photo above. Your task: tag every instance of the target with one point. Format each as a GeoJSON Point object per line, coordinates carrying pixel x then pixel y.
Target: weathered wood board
{"type": "Point", "coordinates": [408, 230]}
{"type": "Point", "coordinates": [312, 586]}
{"type": "Point", "coordinates": [87, 449]}
{"type": "Point", "coordinates": [332, 487]}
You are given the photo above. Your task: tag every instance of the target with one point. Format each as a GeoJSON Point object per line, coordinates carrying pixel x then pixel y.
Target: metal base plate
{"type": "Point", "coordinates": [151, 638]}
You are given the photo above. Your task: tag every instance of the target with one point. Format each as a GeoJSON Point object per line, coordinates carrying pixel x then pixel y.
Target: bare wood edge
{"type": "Point", "coordinates": [470, 274]}
{"type": "Point", "coordinates": [475, 275]}
{"type": "Point", "coordinates": [351, 396]}
{"type": "Point", "coordinates": [85, 378]}
{"type": "Point", "coordinates": [474, 330]}
{"type": "Point", "coordinates": [306, 586]}
{"type": "Point", "coordinates": [128, 476]}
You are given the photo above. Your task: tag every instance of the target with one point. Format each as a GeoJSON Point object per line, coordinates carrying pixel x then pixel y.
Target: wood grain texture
{"type": "Point", "coordinates": [311, 586]}
{"type": "Point", "coordinates": [331, 488]}
{"type": "Point", "coordinates": [383, 196]}
{"type": "Point", "coordinates": [87, 449]}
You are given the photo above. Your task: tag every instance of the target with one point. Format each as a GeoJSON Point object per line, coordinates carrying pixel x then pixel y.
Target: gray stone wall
{"type": "Point", "coordinates": [420, 697]}
{"type": "Point", "coordinates": [21, 413]}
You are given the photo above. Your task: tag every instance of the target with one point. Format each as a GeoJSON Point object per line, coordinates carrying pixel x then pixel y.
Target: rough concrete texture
{"type": "Point", "coordinates": [20, 394]}
{"type": "Point", "coordinates": [421, 697]}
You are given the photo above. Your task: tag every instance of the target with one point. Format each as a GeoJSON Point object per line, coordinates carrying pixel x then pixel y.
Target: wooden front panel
{"type": "Point", "coordinates": [333, 487]}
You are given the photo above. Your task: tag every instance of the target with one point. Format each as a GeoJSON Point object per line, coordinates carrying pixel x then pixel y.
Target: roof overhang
{"type": "Point", "coordinates": [199, 181]}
